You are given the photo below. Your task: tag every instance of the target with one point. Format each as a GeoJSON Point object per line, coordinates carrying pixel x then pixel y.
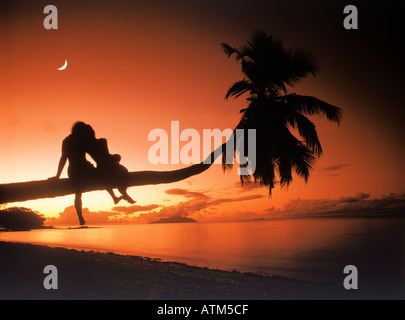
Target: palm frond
{"type": "Point", "coordinates": [306, 129]}
{"type": "Point", "coordinates": [284, 164]}
{"type": "Point", "coordinates": [297, 65]}
{"type": "Point", "coordinates": [239, 88]}
{"type": "Point", "coordinates": [303, 161]}
{"type": "Point", "coordinates": [265, 172]}
{"type": "Point", "coordinates": [313, 106]}
{"type": "Point", "coordinates": [229, 51]}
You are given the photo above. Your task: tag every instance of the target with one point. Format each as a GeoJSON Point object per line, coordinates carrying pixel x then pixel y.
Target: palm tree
{"type": "Point", "coordinates": [269, 69]}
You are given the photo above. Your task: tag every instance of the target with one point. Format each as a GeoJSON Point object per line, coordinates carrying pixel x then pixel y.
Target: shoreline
{"type": "Point", "coordinates": [85, 274]}
{"type": "Point", "coordinates": [95, 275]}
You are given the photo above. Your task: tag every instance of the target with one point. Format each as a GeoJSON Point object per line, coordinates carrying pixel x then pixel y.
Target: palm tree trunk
{"type": "Point", "coordinates": [23, 191]}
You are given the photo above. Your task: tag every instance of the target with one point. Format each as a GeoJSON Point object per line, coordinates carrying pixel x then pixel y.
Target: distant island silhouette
{"type": "Point", "coordinates": [174, 220]}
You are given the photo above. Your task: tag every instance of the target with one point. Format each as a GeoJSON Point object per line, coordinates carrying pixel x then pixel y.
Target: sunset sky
{"type": "Point", "coordinates": [134, 66]}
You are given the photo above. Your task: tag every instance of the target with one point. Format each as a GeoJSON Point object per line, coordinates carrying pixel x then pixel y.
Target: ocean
{"type": "Point", "coordinates": [315, 249]}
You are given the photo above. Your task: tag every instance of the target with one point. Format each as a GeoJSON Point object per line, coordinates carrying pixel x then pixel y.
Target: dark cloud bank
{"type": "Point", "coordinates": [359, 205]}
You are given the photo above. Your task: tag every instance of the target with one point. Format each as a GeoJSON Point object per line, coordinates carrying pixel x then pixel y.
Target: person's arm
{"type": "Point", "coordinates": [62, 163]}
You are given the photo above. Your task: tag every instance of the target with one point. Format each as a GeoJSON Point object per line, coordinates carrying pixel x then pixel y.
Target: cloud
{"type": "Point", "coordinates": [50, 128]}
{"type": "Point", "coordinates": [200, 205]}
{"type": "Point", "coordinates": [135, 208]}
{"type": "Point", "coordinates": [359, 197]}
{"type": "Point", "coordinates": [336, 167]}
{"type": "Point", "coordinates": [247, 186]}
{"type": "Point", "coordinates": [185, 193]}
{"type": "Point", "coordinates": [117, 215]}
{"type": "Point", "coordinates": [195, 203]}
{"type": "Point", "coordinates": [11, 121]}
{"type": "Point", "coordinates": [358, 205]}
{"type": "Point", "coordinates": [199, 202]}
{"type": "Point", "coordinates": [227, 200]}
{"type": "Point", "coordinates": [334, 170]}
{"type": "Point", "coordinates": [209, 200]}
{"type": "Point", "coordinates": [69, 217]}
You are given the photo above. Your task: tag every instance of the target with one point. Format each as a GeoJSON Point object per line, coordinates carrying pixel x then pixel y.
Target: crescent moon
{"type": "Point", "coordinates": [64, 66]}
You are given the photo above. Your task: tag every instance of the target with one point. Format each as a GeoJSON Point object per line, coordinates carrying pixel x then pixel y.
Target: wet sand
{"type": "Point", "coordinates": [93, 275]}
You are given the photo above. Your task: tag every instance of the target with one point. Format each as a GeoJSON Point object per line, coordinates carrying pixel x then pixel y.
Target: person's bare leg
{"type": "Point", "coordinates": [113, 196]}
{"type": "Point", "coordinates": [125, 195]}
{"type": "Point", "coordinates": [78, 206]}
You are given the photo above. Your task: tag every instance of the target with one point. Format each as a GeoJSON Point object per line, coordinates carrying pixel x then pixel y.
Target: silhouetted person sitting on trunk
{"type": "Point", "coordinates": [109, 168]}
{"type": "Point", "coordinates": [74, 148]}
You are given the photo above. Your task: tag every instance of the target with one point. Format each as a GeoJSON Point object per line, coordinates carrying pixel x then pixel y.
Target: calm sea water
{"type": "Point", "coordinates": [308, 249]}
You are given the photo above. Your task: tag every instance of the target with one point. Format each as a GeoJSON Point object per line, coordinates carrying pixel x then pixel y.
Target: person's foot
{"type": "Point", "coordinates": [129, 199]}
{"type": "Point", "coordinates": [82, 221]}
{"type": "Point", "coordinates": [117, 199]}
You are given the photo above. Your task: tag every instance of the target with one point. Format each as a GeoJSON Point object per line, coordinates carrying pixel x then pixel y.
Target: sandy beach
{"type": "Point", "coordinates": [93, 275]}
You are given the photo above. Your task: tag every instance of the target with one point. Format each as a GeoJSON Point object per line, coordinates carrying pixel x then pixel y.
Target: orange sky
{"type": "Point", "coordinates": [133, 68]}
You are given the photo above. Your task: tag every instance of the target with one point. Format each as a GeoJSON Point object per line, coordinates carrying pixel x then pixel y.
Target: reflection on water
{"type": "Point", "coordinates": [311, 249]}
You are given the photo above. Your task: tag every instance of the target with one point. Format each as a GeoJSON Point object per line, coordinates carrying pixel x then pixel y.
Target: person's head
{"type": "Point", "coordinates": [90, 132]}
{"type": "Point", "coordinates": [83, 131]}
{"type": "Point", "coordinates": [78, 128]}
